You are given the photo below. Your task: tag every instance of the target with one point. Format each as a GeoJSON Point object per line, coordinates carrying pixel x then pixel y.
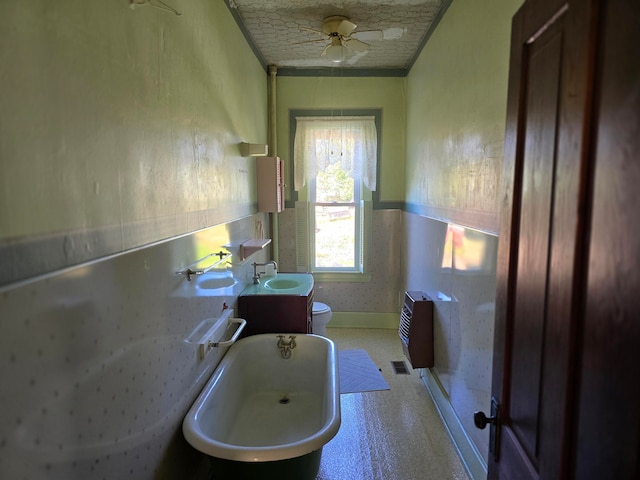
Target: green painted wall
{"type": "Point", "coordinates": [456, 106]}
{"type": "Point", "coordinates": [125, 121]}
{"type": "Point", "coordinates": [387, 93]}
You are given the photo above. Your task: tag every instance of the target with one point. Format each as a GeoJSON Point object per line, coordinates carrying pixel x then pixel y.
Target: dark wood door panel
{"type": "Point", "coordinates": [608, 437]}
{"type": "Point", "coordinates": [543, 237]}
{"type": "Point", "coordinates": [542, 86]}
{"type": "Point", "coordinates": [517, 464]}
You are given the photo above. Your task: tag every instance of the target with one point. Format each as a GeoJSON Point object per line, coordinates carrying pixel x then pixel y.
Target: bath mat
{"type": "Point", "coordinates": [358, 373]}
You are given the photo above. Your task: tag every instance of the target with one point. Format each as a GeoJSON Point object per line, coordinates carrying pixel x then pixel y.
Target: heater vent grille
{"type": "Point", "coordinates": [416, 329]}
{"type": "Point", "coordinates": [405, 323]}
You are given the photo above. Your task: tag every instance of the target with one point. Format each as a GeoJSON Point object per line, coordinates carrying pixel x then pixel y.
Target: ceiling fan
{"type": "Point", "coordinates": [342, 35]}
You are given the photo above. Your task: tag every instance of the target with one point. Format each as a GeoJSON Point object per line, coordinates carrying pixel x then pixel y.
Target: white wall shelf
{"type": "Point", "coordinates": [250, 247]}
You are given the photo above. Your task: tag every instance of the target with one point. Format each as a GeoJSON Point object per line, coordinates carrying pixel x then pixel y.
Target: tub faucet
{"type": "Point", "coordinates": [286, 346]}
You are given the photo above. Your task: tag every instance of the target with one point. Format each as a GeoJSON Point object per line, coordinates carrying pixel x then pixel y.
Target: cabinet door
{"type": "Point", "coordinates": [280, 185]}
{"type": "Point", "coordinates": [270, 172]}
{"type": "Point", "coordinates": [273, 314]}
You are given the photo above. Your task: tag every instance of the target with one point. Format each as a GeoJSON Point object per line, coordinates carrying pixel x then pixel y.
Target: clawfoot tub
{"type": "Point", "coordinates": [269, 408]}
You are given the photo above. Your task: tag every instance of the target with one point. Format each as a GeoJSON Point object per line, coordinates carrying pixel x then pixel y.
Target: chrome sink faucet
{"type": "Point", "coordinates": [256, 274]}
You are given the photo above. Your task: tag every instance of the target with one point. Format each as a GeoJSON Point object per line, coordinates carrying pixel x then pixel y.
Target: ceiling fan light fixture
{"type": "Point", "coordinates": [335, 52]}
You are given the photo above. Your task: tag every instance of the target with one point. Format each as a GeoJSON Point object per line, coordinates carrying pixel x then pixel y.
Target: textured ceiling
{"type": "Point", "coordinates": [276, 30]}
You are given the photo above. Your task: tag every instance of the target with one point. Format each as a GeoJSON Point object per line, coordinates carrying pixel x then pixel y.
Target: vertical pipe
{"type": "Point", "coordinates": [273, 126]}
{"type": "Point", "coordinates": [273, 152]}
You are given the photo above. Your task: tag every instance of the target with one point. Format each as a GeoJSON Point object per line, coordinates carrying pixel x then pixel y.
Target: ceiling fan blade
{"type": "Point", "coordinates": [345, 28]}
{"type": "Point", "coordinates": [324, 52]}
{"type": "Point", "coordinates": [368, 35]}
{"type": "Point", "coordinates": [355, 45]}
{"type": "Point", "coordinates": [313, 30]}
{"type": "Point", "coordinates": [309, 41]}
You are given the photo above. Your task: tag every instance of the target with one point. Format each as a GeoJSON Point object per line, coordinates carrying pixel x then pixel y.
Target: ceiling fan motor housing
{"type": "Point", "coordinates": [338, 24]}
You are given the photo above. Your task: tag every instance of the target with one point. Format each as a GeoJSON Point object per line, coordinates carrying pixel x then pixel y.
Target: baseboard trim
{"type": "Point", "coordinates": [364, 320]}
{"type": "Point", "coordinates": [473, 462]}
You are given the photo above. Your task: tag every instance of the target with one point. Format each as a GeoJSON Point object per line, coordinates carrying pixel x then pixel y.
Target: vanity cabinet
{"type": "Point", "coordinates": [276, 313]}
{"type": "Point", "coordinates": [270, 171]}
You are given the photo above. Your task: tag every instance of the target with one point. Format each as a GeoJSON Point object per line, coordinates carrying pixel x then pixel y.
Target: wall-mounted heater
{"type": "Point", "coordinates": [416, 329]}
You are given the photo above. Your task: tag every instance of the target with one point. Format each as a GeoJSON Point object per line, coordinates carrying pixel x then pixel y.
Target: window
{"type": "Point", "coordinates": [336, 220]}
{"type": "Point", "coordinates": [335, 166]}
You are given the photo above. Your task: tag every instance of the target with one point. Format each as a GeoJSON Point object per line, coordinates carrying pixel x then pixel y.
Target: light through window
{"type": "Point", "coordinates": [335, 158]}
{"type": "Point", "coordinates": [336, 220]}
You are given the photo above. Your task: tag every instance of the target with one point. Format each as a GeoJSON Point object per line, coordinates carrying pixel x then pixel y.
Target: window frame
{"type": "Point", "coordinates": [363, 207]}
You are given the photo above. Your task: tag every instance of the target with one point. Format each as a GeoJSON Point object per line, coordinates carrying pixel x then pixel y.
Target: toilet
{"type": "Point", "coordinates": [321, 317]}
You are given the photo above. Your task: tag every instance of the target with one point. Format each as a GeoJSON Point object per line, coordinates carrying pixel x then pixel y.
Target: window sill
{"type": "Point", "coordinates": [337, 277]}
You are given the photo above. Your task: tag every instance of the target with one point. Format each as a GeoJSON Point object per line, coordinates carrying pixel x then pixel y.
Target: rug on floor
{"type": "Point", "coordinates": [358, 373]}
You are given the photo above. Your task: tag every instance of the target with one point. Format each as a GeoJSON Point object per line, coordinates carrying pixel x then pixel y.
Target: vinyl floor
{"type": "Point", "coordinates": [394, 434]}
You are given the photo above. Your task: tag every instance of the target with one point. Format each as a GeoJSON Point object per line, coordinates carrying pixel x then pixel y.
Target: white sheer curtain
{"type": "Point", "coordinates": [321, 141]}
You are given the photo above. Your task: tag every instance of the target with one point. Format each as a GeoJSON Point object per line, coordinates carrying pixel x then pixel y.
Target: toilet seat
{"type": "Point", "coordinates": [321, 318]}
{"type": "Point", "coordinates": [319, 307]}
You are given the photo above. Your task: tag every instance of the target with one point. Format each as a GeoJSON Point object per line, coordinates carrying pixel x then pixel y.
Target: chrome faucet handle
{"type": "Point", "coordinates": [188, 273]}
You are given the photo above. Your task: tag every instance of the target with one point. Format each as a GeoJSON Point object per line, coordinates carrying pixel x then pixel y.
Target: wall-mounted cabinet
{"type": "Point", "coordinates": [270, 171]}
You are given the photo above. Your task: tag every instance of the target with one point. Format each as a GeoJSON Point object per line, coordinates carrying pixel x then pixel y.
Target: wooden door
{"type": "Point", "coordinates": [536, 269]}
{"type": "Point", "coordinates": [607, 436]}
{"type": "Point", "coordinates": [559, 289]}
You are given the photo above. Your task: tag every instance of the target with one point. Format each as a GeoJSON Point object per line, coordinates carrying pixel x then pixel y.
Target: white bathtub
{"type": "Point", "coordinates": [261, 407]}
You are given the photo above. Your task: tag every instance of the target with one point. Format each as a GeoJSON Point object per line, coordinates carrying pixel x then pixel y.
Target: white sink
{"type": "Point", "coordinates": [207, 285]}
{"type": "Point", "coordinates": [215, 283]}
{"type": "Point", "coordinates": [281, 284]}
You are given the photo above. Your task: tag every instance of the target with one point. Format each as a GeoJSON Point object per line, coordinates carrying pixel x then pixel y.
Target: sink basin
{"type": "Point", "coordinates": [216, 283]}
{"type": "Point", "coordinates": [208, 285]}
{"type": "Point", "coordinates": [281, 283]}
